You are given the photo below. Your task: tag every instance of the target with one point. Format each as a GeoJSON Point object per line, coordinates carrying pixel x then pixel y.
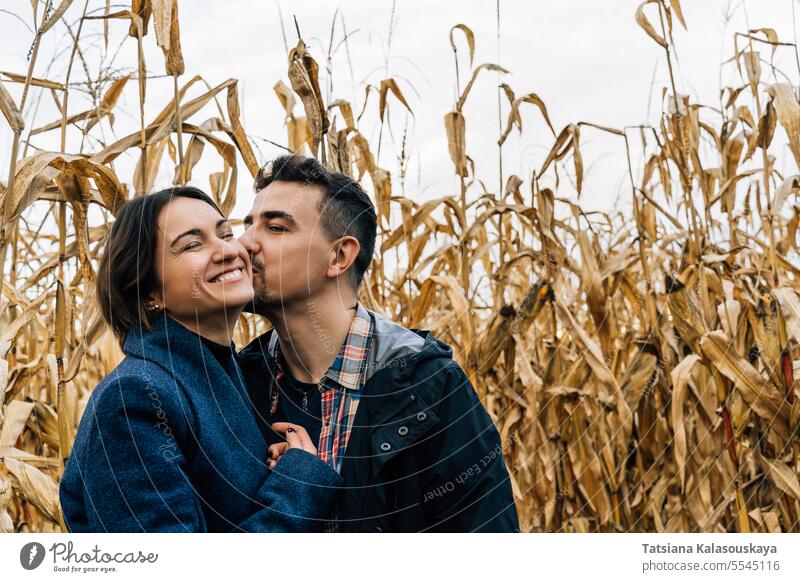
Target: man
{"type": "Point", "coordinates": [391, 411]}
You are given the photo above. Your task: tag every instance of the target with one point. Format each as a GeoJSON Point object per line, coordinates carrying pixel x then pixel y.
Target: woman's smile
{"type": "Point", "coordinates": [232, 275]}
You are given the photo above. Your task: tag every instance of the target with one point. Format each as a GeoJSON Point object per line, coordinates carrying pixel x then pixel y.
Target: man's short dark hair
{"type": "Point", "coordinates": [344, 208]}
{"type": "Point", "coordinates": [127, 271]}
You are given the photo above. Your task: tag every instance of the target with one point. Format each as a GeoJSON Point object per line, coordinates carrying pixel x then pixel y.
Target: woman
{"type": "Point", "coordinates": [168, 441]}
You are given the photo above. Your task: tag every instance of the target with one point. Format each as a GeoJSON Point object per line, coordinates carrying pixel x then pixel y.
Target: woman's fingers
{"type": "Point", "coordinates": [296, 436]}
{"type": "Point", "coordinates": [277, 450]}
{"type": "Point", "coordinates": [293, 439]}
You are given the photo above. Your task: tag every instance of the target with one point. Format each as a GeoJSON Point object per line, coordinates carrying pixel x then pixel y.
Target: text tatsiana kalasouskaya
{"type": "Point", "coordinates": [709, 549]}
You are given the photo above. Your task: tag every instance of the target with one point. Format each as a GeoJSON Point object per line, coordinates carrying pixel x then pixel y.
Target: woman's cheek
{"type": "Point", "coordinates": [197, 277]}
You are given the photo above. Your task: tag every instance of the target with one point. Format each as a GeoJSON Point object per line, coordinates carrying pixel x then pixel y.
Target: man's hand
{"type": "Point", "coordinates": [296, 438]}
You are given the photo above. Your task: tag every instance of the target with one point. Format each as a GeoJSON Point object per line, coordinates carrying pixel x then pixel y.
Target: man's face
{"type": "Point", "coordinates": [289, 252]}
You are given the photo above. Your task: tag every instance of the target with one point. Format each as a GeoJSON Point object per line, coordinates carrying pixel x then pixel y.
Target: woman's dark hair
{"type": "Point", "coordinates": [127, 272]}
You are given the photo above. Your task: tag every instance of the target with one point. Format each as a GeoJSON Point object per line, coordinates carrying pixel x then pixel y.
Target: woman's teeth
{"type": "Point", "coordinates": [228, 276]}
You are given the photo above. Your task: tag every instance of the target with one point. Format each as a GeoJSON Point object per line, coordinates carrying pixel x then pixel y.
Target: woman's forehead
{"type": "Point", "coordinates": [183, 213]}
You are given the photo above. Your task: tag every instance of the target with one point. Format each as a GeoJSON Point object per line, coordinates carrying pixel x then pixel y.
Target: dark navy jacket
{"type": "Point", "coordinates": [424, 455]}
{"type": "Point", "coordinates": [169, 443]}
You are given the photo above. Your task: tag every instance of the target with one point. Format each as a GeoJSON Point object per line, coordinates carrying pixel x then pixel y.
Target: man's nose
{"type": "Point", "coordinates": [248, 240]}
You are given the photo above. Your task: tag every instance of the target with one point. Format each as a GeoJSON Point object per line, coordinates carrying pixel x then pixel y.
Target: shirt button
{"type": "Point", "coordinates": [402, 431]}
{"type": "Point", "coordinates": [422, 417]}
{"type": "Point", "coordinates": [385, 447]}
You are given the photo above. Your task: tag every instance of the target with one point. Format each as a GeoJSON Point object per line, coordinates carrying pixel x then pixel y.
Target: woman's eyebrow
{"type": "Point", "coordinates": [190, 232]}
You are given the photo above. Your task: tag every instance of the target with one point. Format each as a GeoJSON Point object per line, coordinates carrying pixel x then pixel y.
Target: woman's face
{"type": "Point", "coordinates": [203, 269]}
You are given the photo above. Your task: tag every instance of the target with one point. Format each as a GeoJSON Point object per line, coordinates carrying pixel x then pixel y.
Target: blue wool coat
{"type": "Point", "coordinates": [169, 443]}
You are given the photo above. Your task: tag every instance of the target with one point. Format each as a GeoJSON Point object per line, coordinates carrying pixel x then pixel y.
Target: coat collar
{"type": "Point", "coordinates": [181, 353]}
{"type": "Point", "coordinates": [167, 338]}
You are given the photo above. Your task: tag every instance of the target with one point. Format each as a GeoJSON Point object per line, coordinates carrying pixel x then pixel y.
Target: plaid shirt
{"type": "Point", "coordinates": [339, 388]}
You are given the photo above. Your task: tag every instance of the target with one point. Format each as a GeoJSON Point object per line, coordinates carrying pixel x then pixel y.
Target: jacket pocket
{"type": "Point", "coordinates": [399, 431]}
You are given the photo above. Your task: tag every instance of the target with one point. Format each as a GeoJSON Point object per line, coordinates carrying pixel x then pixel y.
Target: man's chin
{"type": "Point", "coordinates": [262, 304]}
{"type": "Point", "coordinates": [255, 307]}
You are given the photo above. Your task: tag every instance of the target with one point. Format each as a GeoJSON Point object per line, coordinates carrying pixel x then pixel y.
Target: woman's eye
{"type": "Point", "coordinates": [227, 235]}
{"type": "Point", "coordinates": [191, 246]}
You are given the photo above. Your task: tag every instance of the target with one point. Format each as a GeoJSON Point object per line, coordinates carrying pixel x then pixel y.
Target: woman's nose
{"type": "Point", "coordinates": [228, 250]}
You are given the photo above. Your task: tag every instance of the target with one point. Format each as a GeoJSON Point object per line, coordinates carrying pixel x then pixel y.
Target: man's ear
{"type": "Point", "coordinates": [345, 251]}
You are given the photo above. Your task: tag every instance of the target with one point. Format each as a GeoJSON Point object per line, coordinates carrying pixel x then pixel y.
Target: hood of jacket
{"type": "Point", "coordinates": [394, 347]}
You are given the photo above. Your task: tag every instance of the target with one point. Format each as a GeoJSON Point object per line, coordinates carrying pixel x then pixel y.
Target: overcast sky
{"type": "Point", "coordinates": [588, 61]}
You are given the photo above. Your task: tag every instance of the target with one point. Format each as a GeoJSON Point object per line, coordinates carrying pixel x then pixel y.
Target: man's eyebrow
{"type": "Point", "coordinates": [268, 214]}
{"type": "Point", "coordinates": [221, 222]}
{"type": "Point", "coordinates": [190, 232]}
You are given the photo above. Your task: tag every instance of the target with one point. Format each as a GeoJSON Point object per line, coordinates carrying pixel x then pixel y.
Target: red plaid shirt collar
{"type": "Point", "coordinates": [349, 367]}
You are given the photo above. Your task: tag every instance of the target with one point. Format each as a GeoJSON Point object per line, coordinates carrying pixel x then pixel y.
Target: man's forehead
{"type": "Point", "coordinates": [286, 197]}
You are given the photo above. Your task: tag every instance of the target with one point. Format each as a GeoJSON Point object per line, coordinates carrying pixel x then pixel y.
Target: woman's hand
{"type": "Point", "coordinates": [296, 438]}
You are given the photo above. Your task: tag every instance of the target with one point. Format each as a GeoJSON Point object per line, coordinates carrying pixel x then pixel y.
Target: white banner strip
{"type": "Point", "coordinates": [421, 557]}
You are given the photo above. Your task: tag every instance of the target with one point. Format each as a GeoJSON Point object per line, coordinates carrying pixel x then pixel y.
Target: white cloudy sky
{"type": "Point", "coordinates": [587, 59]}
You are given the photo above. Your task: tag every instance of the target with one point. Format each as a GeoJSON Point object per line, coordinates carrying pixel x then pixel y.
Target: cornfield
{"type": "Point", "coordinates": [640, 367]}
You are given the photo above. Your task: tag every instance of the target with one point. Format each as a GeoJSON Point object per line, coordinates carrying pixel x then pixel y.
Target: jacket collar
{"type": "Point", "coordinates": [348, 369]}
{"type": "Point", "coordinates": [394, 348]}
{"type": "Point", "coordinates": [178, 350]}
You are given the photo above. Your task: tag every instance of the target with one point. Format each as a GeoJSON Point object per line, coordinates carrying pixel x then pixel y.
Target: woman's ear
{"type": "Point", "coordinates": [345, 252]}
{"type": "Point", "coordinates": [154, 303]}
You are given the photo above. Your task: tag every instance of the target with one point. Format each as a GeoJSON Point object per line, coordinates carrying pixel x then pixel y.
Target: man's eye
{"type": "Point", "coordinates": [276, 228]}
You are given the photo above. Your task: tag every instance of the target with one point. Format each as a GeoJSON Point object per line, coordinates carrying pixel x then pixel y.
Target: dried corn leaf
{"type": "Point", "coordinates": [35, 486]}
{"type": "Point", "coordinates": [681, 375]}
{"type": "Point", "coordinates": [757, 391]}
{"type": "Point", "coordinates": [784, 478]}
{"type": "Point", "coordinates": [456, 140]}
{"type": "Point", "coordinates": [304, 77]}
{"type": "Point", "coordinates": [790, 308]}
{"type": "Point", "coordinates": [16, 415]}
{"type": "Point", "coordinates": [788, 112]}
{"type": "Point", "coordinates": [143, 9]}
{"type": "Point", "coordinates": [514, 117]}
{"type": "Point", "coordinates": [469, 35]}
{"type": "Point", "coordinates": [391, 85]}
{"type": "Point", "coordinates": [10, 110]}
{"type": "Point", "coordinates": [642, 21]}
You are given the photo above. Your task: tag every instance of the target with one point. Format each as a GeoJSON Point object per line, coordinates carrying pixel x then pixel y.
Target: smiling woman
{"type": "Point", "coordinates": [159, 256]}
{"type": "Point", "coordinates": [168, 441]}
{"type": "Point", "coordinates": [197, 257]}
